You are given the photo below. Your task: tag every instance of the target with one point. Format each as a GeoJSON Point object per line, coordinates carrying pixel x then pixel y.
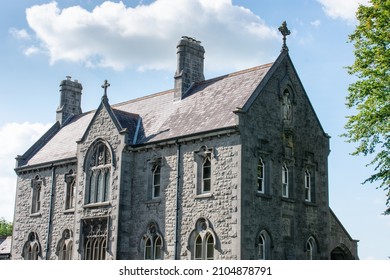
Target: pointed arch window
{"type": "Point", "coordinates": [156, 188]}
{"type": "Point", "coordinates": [31, 249]}
{"type": "Point", "coordinates": [65, 245]}
{"type": "Point", "coordinates": [202, 241]}
{"type": "Point", "coordinates": [308, 186]}
{"type": "Point", "coordinates": [36, 195]}
{"type": "Point", "coordinates": [95, 239]}
{"type": "Point", "coordinates": [99, 174]}
{"type": "Point", "coordinates": [311, 248]}
{"type": "Point", "coordinates": [206, 175]}
{"type": "Point", "coordinates": [70, 184]}
{"type": "Point", "coordinates": [285, 185]}
{"type": "Point", "coordinates": [153, 243]}
{"type": "Point", "coordinates": [263, 246]}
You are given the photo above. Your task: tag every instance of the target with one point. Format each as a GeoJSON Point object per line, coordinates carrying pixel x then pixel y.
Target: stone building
{"type": "Point", "coordinates": [234, 167]}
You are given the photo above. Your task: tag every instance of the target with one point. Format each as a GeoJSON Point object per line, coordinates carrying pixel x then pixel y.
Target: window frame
{"type": "Point", "coordinates": [260, 176]}
{"type": "Point", "coordinates": [36, 197]}
{"type": "Point", "coordinates": [99, 174]}
{"type": "Point", "coordinates": [285, 181]}
{"type": "Point", "coordinates": [308, 185]}
{"type": "Point", "coordinates": [156, 172]}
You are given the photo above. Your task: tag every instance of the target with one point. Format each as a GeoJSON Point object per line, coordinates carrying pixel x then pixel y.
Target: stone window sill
{"type": "Point", "coordinates": [263, 195]}
{"type": "Point", "coordinates": [97, 204]}
{"type": "Point", "coordinates": [288, 199]}
{"type": "Point", "coordinates": [153, 201]}
{"type": "Point", "coordinates": [69, 211]}
{"type": "Point", "coordinates": [38, 214]}
{"type": "Point", "coordinates": [203, 195]}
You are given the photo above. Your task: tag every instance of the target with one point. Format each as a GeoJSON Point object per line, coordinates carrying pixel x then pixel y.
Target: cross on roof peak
{"type": "Point", "coordinates": [285, 32]}
{"type": "Point", "coordinates": [105, 86]}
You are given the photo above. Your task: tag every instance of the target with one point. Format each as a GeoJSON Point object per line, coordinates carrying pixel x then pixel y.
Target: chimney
{"type": "Point", "coordinates": [70, 102]}
{"type": "Point", "coordinates": [190, 56]}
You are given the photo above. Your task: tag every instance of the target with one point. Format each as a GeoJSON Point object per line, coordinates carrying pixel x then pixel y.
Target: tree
{"type": "Point", "coordinates": [5, 227]}
{"type": "Point", "coordinates": [369, 96]}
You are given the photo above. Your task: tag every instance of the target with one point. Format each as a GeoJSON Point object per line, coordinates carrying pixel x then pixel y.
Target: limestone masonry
{"type": "Point", "coordinates": [229, 168]}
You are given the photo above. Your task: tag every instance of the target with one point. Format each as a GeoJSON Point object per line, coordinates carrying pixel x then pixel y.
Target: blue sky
{"type": "Point", "coordinates": [132, 45]}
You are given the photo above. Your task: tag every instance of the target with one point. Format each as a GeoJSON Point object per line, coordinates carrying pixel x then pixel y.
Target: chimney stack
{"type": "Point", "coordinates": [190, 56]}
{"type": "Point", "coordinates": [70, 102]}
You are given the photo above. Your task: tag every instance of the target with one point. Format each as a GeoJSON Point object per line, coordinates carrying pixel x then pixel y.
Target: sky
{"type": "Point", "coordinates": [132, 44]}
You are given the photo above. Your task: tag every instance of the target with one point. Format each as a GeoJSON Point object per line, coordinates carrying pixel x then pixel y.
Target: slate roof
{"type": "Point", "coordinates": [207, 106]}
{"type": "Point", "coordinates": [5, 247]}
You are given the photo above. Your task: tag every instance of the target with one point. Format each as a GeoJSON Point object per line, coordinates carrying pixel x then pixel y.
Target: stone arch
{"type": "Point", "coordinates": [341, 252]}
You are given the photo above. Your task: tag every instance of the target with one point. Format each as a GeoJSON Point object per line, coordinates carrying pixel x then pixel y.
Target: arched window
{"type": "Point", "coordinates": [70, 184]}
{"type": "Point", "coordinates": [156, 181]}
{"type": "Point", "coordinates": [99, 174]}
{"type": "Point", "coordinates": [95, 233]}
{"type": "Point", "coordinates": [263, 246]}
{"type": "Point", "coordinates": [206, 175]}
{"type": "Point", "coordinates": [31, 249]}
{"type": "Point", "coordinates": [202, 241]}
{"type": "Point", "coordinates": [308, 186]}
{"type": "Point", "coordinates": [198, 248]}
{"type": "Point", "coordinates": [36, 195]}
{"type": "Point", "coordinates": [65, 245]}
{"type": "Point", "coordinates": [285, 186]}
{"type": "Point", "coordinates": [209, 246]}
{"type": "Point", "coordinates": [152, 243]}
{"type": "Point", "coordinates": [311, 248]}
{"type": "Point", "coordinates": [260, 176]}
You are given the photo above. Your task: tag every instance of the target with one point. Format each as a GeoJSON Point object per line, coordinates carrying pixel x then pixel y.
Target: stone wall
{"type": "Point", "coordinates": [220, 208]}
{"type": "Point", "coordinates": [298, 141]}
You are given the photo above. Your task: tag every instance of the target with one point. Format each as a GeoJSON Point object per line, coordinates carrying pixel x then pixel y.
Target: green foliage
{"type": "Point", "coordinates": [369, 96]}
{"type": "Point", "coordinates": [5, 227]}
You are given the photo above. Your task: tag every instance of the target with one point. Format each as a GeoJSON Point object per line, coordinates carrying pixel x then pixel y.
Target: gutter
{"type": "Point", "coordinates": [49, 226]}
{"type": "Point", "coordinates": [177, 208]}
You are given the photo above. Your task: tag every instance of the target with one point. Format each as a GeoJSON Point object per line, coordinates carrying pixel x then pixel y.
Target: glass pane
{"type": "Point", "coordinates": [92, 189]}
{"type": "Point", "coordinates": [107, 186]}
{"type": "Point", "coordinates": [100, 187]}
{"type": "Point", "coordinates": [148, 250]}
{"type": "Point", "coordinates": [210, 247]}
{"type": "Point", "coordinates": [198, 248]}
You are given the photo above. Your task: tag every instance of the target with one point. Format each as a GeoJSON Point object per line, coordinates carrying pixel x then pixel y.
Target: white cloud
{"type": "Point", "coordinates": [31, 50]}
{"type": "Point", "coordinates": [17, 137]}
{"type": "Point", "coordinates": [342, 9]}
{"type": "Point", "coordinates": [114, 35]}
{"type": "Point", "coordinates": [316, 23]}
{"type": "Point", "coordinates": [19, 33]}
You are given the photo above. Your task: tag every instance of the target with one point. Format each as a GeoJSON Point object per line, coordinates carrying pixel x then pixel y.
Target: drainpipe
{"type": "Point", "coordinates": [177, 200]}
{"type": "Point", "coordinates": [53, 184]}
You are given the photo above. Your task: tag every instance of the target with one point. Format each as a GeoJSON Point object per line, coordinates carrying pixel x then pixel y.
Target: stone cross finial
{"type": "Point", "coordinates": [285, 32]}
{"type": "Point", "coordinates": [105, 86]}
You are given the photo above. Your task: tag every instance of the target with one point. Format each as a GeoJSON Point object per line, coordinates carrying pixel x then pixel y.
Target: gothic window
{"type": "Point", "coordinates": [95, 239]}
{"type": "Point", "coordinates": [263, 246]}
{"type": "Point", "coordinates": [65, 245]}
{"type": "Point", "coordinates": [204, 171]}
{"type": "Point", "coordinates": [260, 176]}
{"type": "Point", "coordinates": [156, 181]}
{"type": "Point", "coordinates": [311, 248]}
{"type": "Point", "coordinates": [308, 186]}
{"type": "Point", "coordinates": [99, 174]}
{"type": "Point", "coordinates": [31, 249]}
{"type": "Point", "coordinates": [70, 183]}
{"type": "Point", "coordinates": [285, 186]}
{"type": "Point", "coordinates": [152, 243]}
{"type": "Point", "coordinates": [36, 195]}
{"type": "Point", "coordinates": [202, 241]}
{"type": "Point", "coordinates": [206, 175]}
